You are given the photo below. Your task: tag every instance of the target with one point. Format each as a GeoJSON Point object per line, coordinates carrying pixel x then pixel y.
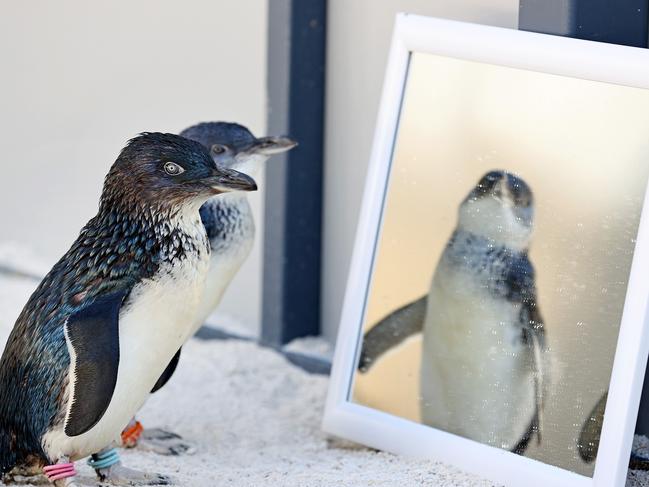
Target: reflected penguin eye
{"type": "Point", "coordinates": [173, 169]}
{"type": "Point", "coordinates": [218, 149]}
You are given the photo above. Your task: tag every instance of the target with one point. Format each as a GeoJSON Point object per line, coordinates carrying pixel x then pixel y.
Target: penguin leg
{"type": "Point", "coordinates": [110, 469]}
{"type": "Point", "coordinates": [155, 439]}
{"type": "Point", "coordinates": [62, 473]}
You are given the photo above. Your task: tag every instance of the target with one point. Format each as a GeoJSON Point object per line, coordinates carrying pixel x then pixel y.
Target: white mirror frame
{"type": "Point", "coordinates": [535, 52]}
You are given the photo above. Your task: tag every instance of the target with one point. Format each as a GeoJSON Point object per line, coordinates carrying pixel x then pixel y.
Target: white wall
{"type": "Point", "coordinates": [79, 78]}
{"type": "Point", "coordinates": [358, 38]}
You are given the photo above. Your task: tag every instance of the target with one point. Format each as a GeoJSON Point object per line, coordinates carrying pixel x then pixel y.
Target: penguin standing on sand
{"type": "Point", "coordinates": [104, 323]}
{"type": "Point", "coordinates": [484, 360]}
{"type": "Point", "coordinates": [230, 228]}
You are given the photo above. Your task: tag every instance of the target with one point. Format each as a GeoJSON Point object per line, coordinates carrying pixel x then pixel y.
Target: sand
{"type": "Point", "coordinates": [255, 420]}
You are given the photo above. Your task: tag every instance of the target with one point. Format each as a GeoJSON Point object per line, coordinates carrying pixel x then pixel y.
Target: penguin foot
{"type": "Point", "coordinates": [69, 482]}
{"type": "Point", "coordinates": [24, 475]}
{"type": "Point", "coordinates": [164, 443]}
{"type": "Point", "coordinates": [118, 474]}
{"type": "Point", "coordinates": [24, 480]}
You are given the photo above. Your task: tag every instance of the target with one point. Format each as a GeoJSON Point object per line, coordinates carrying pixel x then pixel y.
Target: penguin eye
{"type": "Point", "coordinates": [173, 169]}
{"type": "Point", "coordinates": [218, 149]}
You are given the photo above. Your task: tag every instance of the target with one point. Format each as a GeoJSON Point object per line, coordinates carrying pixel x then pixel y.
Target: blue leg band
{"type": "Point", "coordinates": [104, 459]}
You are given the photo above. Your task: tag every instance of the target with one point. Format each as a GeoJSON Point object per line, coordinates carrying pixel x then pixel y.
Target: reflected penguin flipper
{"type": "Point", "coordinates": [536, 341]}
{"type": "Point", "coordinates": [392, 331]}
{"type": "Point", "coordinates": [521, 284]}
{"type": "Point", "coordinates": [588, 442]}
{"type": "Point", "coordinates": [523, 443]}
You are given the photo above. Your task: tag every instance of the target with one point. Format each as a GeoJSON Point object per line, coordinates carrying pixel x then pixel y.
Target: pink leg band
{"type": "Point", "coordinates": [59, 471]}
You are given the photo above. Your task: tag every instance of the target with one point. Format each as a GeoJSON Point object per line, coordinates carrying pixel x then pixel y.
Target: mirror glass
{"type": "Point", "coordinates": [501, 265]}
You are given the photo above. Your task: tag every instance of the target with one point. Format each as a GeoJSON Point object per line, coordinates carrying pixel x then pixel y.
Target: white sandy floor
{"type": "Point", "coordinates": [255, 420]}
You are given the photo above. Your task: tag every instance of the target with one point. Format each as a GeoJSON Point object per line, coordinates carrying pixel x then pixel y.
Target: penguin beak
{"type": "Point", "coordinates": [224, 180]}
{"type": "Point", "coordinates": [269, 146]}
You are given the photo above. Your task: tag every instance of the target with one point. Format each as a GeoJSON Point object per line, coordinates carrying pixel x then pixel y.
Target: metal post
{"type": "Point", "coordinates": [293, 204]}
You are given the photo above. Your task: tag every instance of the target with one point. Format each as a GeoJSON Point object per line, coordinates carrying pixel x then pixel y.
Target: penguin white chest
{"type": "Point", "coordinates": [230, 249]}
{"type": "Point", "coordinates": [156, 321]}
{"type": "Point", "coordinates": [475, 375]}
{"type": "Point", "coordinates": [224, 265]}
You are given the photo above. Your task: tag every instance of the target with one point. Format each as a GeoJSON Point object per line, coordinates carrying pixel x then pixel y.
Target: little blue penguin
{"type": "Point", "coordinates": [101, 327]}
{"type": "Point", "coordinates": [228, 219]}
{"type": "Point", "coordinates": [484, 363]}
{"type": "Point", "coordinates": [230, 228]}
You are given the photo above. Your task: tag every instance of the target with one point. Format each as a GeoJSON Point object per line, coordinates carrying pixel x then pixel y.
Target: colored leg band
{"type": "Point", "coordinates": [59, 471]}
{"type": "Point", "coordinates": [104, 459]}
{"type": "Point", "coordinates": [131, 434]}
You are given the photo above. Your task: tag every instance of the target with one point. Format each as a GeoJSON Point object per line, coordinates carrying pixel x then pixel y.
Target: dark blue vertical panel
{"type": "Point", "coordinates": [293, 205]}
{"type": "Point", "coordinates": [613, 21]}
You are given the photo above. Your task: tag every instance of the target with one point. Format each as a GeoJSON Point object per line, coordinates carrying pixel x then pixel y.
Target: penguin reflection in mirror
{"type": "Point", "coordinates": [484, 364]}
{"type": "Point", "coordinates": [230, 228]}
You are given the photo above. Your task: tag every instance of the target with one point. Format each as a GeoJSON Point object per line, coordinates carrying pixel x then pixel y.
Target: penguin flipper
{"type": "Point", "coordinates": [93, 335]}
{"type": "Point", "coordinates": [523, 443]}
{"type": "Point", "coordinates": [391, 331]}
{"type": "Point", "coordinates": [168, 372]}
{"type": "Point", "coordinates": [536, 342]}
{"type": "Point", "coordinates": [534, 335]}
{"type": "Point", "coordinates": [537, 339]}
{"type": "Point", "coordinates": [521, 288]}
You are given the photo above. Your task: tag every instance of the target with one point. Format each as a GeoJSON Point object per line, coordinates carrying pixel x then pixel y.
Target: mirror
{"type": "Point", "coordinates": [502, 261]}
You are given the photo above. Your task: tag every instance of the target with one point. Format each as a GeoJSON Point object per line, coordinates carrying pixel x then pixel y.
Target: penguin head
{"type": "Point", "coordinates": [501, 208]}
{"type": "Point", "coordinates": [232, 145]}
{"type": "Point", "coordinates": [165, 170]}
